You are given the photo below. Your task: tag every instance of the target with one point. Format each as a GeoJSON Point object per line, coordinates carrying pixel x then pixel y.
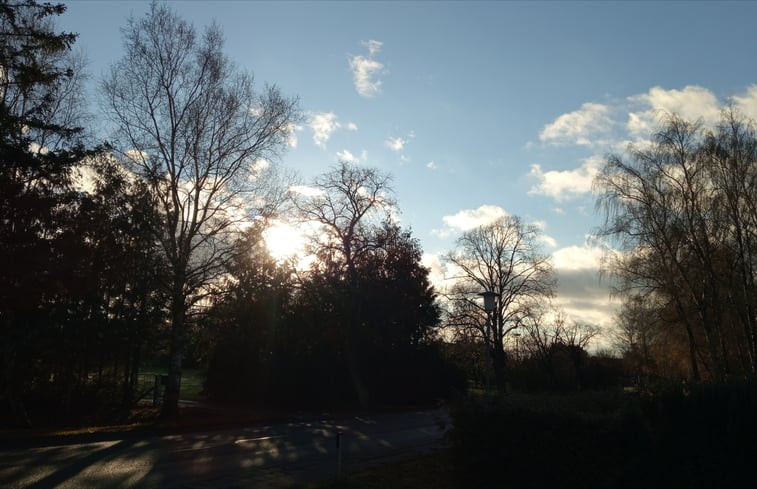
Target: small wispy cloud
{"type": "Point", "coordinates": [347, 156]}
{"type": "Point", "coordinates": [396, 144]}
{"type": "Point", "coordinates": [291, 134]}
{"type": "Point", "coordinates": [305, 190]}
{"type": "Point", "coordinates": [373, 46]}
{"type": "Point", "coordinates": [431, 165]}
{"type": "Point", "coordinates": [366, 70]}
{"type": "Point", "coordinates": [351, 126]}
{"type": "Point", "coordinates": [323, 125]}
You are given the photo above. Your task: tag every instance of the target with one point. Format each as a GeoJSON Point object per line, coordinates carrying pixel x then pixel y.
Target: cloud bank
{"type": "Point", "coordinates": [611, 126]}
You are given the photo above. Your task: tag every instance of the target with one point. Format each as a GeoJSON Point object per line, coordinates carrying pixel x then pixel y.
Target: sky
{"type": "Point", "coordinates": [477, 109]}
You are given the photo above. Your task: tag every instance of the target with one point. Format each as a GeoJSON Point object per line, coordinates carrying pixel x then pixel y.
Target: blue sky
{"type": "Point", "coordinates": [478, 108]}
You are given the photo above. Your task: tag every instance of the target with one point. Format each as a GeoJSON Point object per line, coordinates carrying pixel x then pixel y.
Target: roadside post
{"type": "Point", "coordinates": [339, 454]}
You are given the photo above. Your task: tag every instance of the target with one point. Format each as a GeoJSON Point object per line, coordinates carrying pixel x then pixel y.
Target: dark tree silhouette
{"type": "Point", "coordinates": [192, 127]}
{"type": "Point", "coordinates": [504, 258]}
{"type": "Point", "coordinates": [682, 213]}
{"type": "Point", "coordinates": [39, 145]}
{"type": "Point", "coordinates": [349, 203]}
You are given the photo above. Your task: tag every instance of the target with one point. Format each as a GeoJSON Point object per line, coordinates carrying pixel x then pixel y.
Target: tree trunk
{"type": "Point", "coordinates": [693, 354]}
{"type": "Point", "coordinates": [171, 396]}
{"type": "Point", "coordinates": [353, 366]}
{"type": "Point", "coordinates": [498, 359]}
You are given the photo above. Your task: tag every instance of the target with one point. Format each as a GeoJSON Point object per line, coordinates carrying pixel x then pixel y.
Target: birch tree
{"type": "Point", "coordinates": [191, 125]}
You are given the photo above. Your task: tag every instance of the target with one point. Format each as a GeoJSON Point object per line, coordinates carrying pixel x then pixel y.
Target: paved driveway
{"type": "Point", "coordinates": [276, 455]}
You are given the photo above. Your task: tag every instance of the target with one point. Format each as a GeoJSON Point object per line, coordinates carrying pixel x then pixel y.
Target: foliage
{"type": "Point", "coordinates": [701, 438]}
{"type": "Point", "coordinates": [568, 368]}
{"type": "Point", "coordinates": [364, 311]}
{"type": "Point", "coordinates": [79, 300]}
{"type": "Point", "coordinates": [39, 146]}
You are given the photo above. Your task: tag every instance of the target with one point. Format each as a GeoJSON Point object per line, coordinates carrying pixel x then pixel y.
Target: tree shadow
{"type": "Point", "coordinates": [278, 455]}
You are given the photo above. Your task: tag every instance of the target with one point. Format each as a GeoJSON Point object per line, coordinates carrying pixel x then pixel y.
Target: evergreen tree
{"type": "Point", "coordinates": [38, 148]}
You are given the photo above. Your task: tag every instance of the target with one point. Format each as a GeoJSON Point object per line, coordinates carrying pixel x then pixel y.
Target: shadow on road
{"type": "Point", "coordinates": [266, 456]}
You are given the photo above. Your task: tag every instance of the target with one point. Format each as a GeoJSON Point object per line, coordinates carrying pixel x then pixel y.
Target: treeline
{"type": "Point", "coordinates": [281, 341]}
{"type": "Point", "coordinates": [78, 294]}
{"type": "Point", "coordinates": [149, 248]}
{"type": "Point", "coordinates": [683, 212]}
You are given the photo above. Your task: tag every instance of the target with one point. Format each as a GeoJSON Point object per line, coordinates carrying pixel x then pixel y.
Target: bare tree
{"type": "Point", "coordinates": [191, 125]}
{"type": "Point", "coordinates": [504, 258]}
{"type": "Point", "coordinates": [730, 155]}
{"type": "Point", "coordinates": [549, 334]}
{"type": "Point", "coordinates": [349, 203]}
{"type": "Point", "coordinates": [346, 202]}
{"type": "Point", "coordinates": [662, 208]}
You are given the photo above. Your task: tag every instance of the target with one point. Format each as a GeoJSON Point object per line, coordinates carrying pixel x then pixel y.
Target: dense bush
{"type": "Point", "coordinates": [697, 438]}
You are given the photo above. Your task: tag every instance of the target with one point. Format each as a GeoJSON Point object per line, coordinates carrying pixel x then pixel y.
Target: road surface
{"type": "Point", "coordinates": [264, 456]}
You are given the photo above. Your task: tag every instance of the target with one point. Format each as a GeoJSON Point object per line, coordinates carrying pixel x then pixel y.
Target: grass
{"type": "Point", "coordinates": [431, 470]}
{"type": "Point", "coordinates": [192, 380]}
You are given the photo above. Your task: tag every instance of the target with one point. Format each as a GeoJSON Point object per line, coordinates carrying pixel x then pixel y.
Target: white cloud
{"type": "Point", "coordinates": [36, 148]}
{"type": "Point", "coordinates": [565, 184]}
{"type": "Point", "coordinates": [305, 190]}
{"type": "Point", "coordinates": [323, 125]}
{"type": "Point", "coordinates": [351, 126]}
{"type": "Point", "coordinates": [468, 219]}
{"type": "Point", "coordinates": [136, 156]}
{"type": "Point", "coordinates": [366, 70]}
{"type": "Point", "coordinates": [540, 225]}
{"type": "Point", "coordinates": [373, 46]}
{"type": "Point", "coordinates": [544, 238]}
{"type": "Point", "coordinates": [437, 270]}
{"type": "Point", "coordinates": [431, 165]}
{"type": "Point", "coordinates": [291, 131]}
{"type": "Point", "coordinates": [347, 156]}
{"type": "Point", "coordinates": [635, 118]}
{"type": "Point", "coordinates": [747, 103]}
{"type": "Point", "coordinates": [692, 103]}
{"type": "Point", "coordinates": [578, 258]}
{"type": "Point", "coordinates": [580, 127]}
{"type": "Point", "coordinates": [258, 167]}
{"type": "Point", "coordinates": [548, 241]}
{"type": "Point", "coordinates": [580, 293]}
{"type": "Point", "coordinates": [396, 144]}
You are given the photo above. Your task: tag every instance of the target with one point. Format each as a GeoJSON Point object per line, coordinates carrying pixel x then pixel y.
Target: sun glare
{"type": "Point", "coordinates": [284, 241]}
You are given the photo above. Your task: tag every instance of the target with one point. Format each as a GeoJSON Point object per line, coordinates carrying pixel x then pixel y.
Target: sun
{"type": "Point", "coordinates": [284, 241]}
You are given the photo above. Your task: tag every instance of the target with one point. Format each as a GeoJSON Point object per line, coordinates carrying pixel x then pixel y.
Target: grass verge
{"type": "Point", "coordinates": [428, 470]}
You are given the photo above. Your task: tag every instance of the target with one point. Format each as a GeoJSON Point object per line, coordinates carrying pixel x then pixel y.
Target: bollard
{"type": "Point", "coordinates": [339, 454]}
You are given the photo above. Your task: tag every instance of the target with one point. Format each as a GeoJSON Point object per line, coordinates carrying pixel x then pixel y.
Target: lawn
{"type": "Point", "coordinates": [429, 470]}
{"type": "Point", "coordinates": [192, 380]}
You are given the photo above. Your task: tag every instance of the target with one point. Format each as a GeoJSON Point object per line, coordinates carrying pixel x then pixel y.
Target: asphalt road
{"type": "Point", "coordinates": [271, 456]}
